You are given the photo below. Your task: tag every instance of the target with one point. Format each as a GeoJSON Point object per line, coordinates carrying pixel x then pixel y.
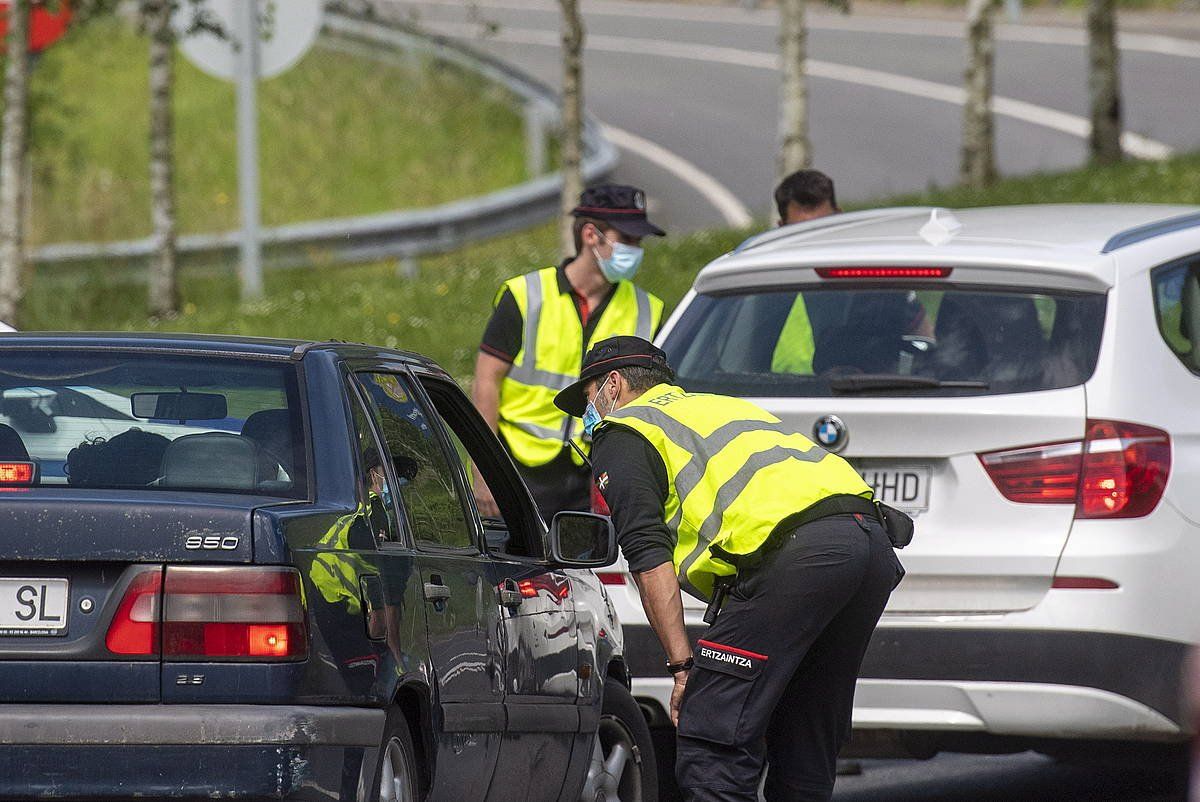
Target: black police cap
{"type": "Point", "coordinates": [623, 207]}
{"type": "Point", "coordinates": [616, 352]}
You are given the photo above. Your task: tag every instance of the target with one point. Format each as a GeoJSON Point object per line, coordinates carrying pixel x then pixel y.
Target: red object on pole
{"type": "Point", "coordinates": [45, 27]}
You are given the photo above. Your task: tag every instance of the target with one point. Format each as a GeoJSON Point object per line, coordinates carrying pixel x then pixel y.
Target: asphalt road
{"type": "Point", "coordinates": [701, 82]}
{"type": "Point", "coordinates": [1026, 777]}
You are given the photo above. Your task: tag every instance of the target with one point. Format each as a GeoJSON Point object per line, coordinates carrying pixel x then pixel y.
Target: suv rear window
{"type": "Point", "coordinates": [897, 341]}
{"type": "Point", "coordinates": [118, 420]}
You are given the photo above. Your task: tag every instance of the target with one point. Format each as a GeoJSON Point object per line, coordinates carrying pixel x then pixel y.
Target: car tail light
{"type": "Point", "coordinates": [1125, 468]}
{"type": "Point", "coordinates": [884, 272]}
{"type": "Point", "coordinates": [238, 613]}
{"type": "Point", "coordinates": [18, 474]}
{"type": "Point", "coordinates": [1047, 474]}
{"type": "Point", "coordinates": [135, 627]}
{"type": "Point", "coordinates": [611, 577]}
{"type": "Point", "coordinates": [1118, 470]}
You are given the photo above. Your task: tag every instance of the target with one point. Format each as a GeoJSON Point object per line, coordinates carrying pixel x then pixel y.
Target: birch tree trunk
{"type": "Point", "coordinates": [14, 142]}
{"type": "Point", "coordinates": [1104, 87]}
{"type": "Point", "coordinates": [795, 152]}
{"type": "Point", "coordinates": [979, 138]}
{"type": "Point", "coordinates": [164, 290]}
{"type": "Point", "coordinates": [572, 118]}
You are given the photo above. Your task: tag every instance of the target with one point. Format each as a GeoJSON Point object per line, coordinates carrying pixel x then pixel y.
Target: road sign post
{"type": "Point", "coordinates": [250, 270]}
{"type": "Point", "coordinates": [241, 49]}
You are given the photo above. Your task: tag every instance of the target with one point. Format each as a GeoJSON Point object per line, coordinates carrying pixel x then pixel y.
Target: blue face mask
{"type": "Point", "coordinates": [623, 264]}
{"type": "Point", "coordinates": [386, 494]}
{"type": "Point", "coordinates": [591, 415]}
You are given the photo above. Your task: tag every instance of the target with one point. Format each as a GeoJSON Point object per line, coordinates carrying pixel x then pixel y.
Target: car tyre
{"type": "Point", "coordinates": [622, 768]}
{"type": "Point", "coordinates": [398, 775]}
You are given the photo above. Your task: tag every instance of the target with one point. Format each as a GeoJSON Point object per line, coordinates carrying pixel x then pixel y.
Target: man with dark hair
{"type": "Point", "coordinates": [805, 195]}
{"type": "Point", "coordinates": [718, 497]}
{"type": "Point", "coordinates": [542, 325]}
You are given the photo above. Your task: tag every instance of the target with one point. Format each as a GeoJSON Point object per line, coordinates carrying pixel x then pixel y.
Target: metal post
{"type": "Point", "coordinates": [247, 144]}
{"type": "Point", "coordinates": [1013, 7]}
{"type": "Point", "coordinates": [535, 139]}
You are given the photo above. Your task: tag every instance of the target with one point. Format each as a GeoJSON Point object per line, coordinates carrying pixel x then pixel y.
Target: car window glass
{"type": "Point", "coordinates": [425, 478]}
{"type": "Point", "coordinates": [380, 513]}
{"type": "Point", "coordinates": [1177, 306]}
{"type": "Point", "coordinates": [518, 531]}
{"type": "Point", "coordinates": [202, 423]}
{"type": "Point", "coordinates": [797, 342]}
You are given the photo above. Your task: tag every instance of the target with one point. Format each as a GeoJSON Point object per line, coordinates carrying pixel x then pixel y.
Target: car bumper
{"type": "Point", "coordinates": [186, 751]}
{"type": "Point", "coordinates": [1032, 683]}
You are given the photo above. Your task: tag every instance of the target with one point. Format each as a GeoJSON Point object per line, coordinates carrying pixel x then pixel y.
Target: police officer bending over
{"type": "Point", "coordinates": [715, 495]}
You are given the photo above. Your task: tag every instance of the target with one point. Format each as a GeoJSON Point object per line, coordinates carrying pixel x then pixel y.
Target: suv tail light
{"type": "Point", "coordinates": [135, 628]}
{"type": "Point", "coordinates": [1118, 470]}
{"type": "Point", "coordinates": [246, 613]}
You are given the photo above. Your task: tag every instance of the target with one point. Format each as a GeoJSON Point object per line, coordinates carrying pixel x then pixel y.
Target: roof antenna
{"type": "Point", "coordinates": [940, 229]}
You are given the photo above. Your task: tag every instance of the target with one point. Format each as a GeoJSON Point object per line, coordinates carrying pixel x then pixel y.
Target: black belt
{"type": "Point", "coordinates": [845, 504]}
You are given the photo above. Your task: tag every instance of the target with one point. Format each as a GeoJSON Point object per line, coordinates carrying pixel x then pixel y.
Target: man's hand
{"type": "Point", "coordinates": [484, 499]}
{"type": "Point", "coordinates": [677, 695]}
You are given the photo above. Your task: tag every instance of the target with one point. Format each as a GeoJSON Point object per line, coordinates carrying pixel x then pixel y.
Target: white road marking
{"type": "Point", "coordinates": [767, 18]}
{"type": "Point", "coordinates": [733, 210]}
{"type": "Point", "coordinates": [1134, 144]}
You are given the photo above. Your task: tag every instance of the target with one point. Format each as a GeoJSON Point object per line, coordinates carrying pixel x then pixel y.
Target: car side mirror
{"type": "Point", "coordinates": [582, 540]}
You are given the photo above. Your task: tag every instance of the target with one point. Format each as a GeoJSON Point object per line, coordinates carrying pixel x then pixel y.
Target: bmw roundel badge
{"type": "Point", "coordinates": [830, 432]}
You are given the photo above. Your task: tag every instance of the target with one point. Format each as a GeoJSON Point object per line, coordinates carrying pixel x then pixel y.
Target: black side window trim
{"type": "Point", "coordinates": [404, 534]}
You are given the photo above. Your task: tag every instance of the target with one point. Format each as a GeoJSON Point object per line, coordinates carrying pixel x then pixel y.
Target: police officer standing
{"type": "Point", "coordinates": [542, 325]}
{"type": "Point", "coordinates": [715, 495]}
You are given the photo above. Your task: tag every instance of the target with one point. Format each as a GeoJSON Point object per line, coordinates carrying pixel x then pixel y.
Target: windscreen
{"type": "Point", "coordinates": [113, 420]}
{"type": "Point", "coordinates": [916, 341]}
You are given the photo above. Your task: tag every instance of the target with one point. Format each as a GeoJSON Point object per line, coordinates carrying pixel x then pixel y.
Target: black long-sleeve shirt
{"type": "Point", "coordinates": [631, 476]}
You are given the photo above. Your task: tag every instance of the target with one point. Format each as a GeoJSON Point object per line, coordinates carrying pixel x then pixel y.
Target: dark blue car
{"type": "Point", "coordinates": [253, 569]}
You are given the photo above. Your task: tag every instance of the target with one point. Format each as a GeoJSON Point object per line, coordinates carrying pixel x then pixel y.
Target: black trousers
{"type": "Point", "coordinates": [775, 675]}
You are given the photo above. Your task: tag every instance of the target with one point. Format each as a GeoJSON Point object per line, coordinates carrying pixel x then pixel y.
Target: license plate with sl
{"type": "Point", "coordinates": [33, 606]}
{"type": "Point", "coordinates": [905, 487]}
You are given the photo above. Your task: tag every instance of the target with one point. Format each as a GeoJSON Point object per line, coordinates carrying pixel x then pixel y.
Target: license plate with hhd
{"type": "Point", "coordinates": [905, 487]}
{"type": "Point", "coordinates": [35, 607]}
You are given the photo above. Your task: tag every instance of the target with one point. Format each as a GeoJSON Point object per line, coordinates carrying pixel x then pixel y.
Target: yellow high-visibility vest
{"type": "Point", "coordinates": [795, 348]}
{"type": "Point", "coordinates": [735, 472]}
{"type": "Point", "coordinates": [551, 357]}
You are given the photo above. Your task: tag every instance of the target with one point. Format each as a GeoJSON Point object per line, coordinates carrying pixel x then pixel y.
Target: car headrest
{"type": "Point", "coordinates": [11, 444]}
{"type": "Point", "coordinates": [271, 429]}
{"type": "Point", "coordinates": [214, 460]}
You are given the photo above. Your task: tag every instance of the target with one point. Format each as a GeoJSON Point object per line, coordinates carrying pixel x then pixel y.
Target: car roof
{"type": "Point", "coordinates": [225, 345]}
{"type": "Point", "coordinates": [1071, 239]}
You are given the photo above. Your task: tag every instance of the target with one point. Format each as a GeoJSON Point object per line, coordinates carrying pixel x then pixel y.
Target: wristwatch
{"type": "Point", "coordinates": [676, 668]}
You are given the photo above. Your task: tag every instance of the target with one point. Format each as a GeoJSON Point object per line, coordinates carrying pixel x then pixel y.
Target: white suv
{"type": "Point", "coordinates": [1026, 382]}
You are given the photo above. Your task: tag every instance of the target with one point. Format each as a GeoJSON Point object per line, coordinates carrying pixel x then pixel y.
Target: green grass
{"type": "Point", "coordinates": [442, 313]}
{"type": "Point", "coordinates": [339, 135]}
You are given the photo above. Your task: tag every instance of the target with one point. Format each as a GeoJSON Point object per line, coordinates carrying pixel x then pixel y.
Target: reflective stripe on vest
{"type": "Point", "coordinates": [551, 356]}
{"type": "Point", "coordinates": [735, 471]}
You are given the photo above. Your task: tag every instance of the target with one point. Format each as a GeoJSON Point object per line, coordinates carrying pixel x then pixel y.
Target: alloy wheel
{"type": "Point", "coordinates": [614, 774]}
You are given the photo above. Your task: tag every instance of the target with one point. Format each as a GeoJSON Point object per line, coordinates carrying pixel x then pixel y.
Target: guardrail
{"type": "Point", "coordinates": [399, 235]}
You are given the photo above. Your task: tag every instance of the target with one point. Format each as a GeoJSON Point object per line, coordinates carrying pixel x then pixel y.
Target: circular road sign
{"type": "Point", "coordinates": [45, 27]}
{"type": "Point", "coordinates": [287, 29]}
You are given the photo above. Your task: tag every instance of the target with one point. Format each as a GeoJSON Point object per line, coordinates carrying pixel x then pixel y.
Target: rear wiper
{"type": "Point", "coordinates": [873, 382]}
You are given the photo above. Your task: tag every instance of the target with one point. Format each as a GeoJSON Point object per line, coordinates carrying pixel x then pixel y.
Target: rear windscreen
{"type": "Point", "coordinates": [919, 342]}
{"type": "Point", "coordinates": [132, 421]}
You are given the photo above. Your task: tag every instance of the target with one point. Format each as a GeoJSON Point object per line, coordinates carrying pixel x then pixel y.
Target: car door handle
{"type": "Point", "coordinates": [510, 594]}
{"type": "Point", "coordinates": [435, 591]}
